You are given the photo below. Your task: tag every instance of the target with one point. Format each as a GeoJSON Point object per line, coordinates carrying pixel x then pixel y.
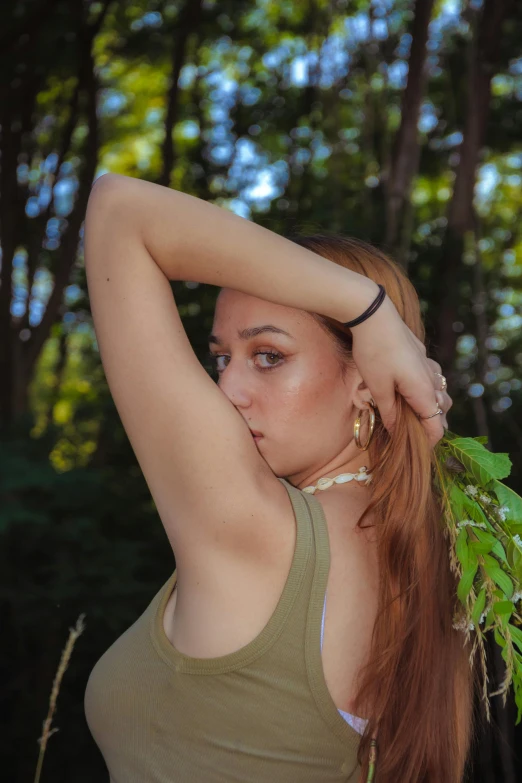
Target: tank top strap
{"type": "Point", "coordinates": [300, 641]}
{"type": "Point", "coordinates": [318, 588]}
{"type": "Point", "coordinates": [302, 630]}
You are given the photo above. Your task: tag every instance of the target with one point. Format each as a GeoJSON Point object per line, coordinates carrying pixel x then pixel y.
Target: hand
{"type": "Point", "coordinates": [390, 357]}
{"type": "Point", "coordinates": [443, 398]}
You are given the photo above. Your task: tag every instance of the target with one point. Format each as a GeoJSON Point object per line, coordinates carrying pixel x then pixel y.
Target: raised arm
{"type": "Point", "coordinates": [191, 239]}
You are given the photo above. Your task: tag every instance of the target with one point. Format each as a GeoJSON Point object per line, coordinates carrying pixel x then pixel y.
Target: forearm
{"type": "Point", "coordinates": [191, 239]}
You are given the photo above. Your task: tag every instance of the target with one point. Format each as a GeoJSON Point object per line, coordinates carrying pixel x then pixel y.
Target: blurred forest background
{"type": "Point", "coordinates": [398, 121]}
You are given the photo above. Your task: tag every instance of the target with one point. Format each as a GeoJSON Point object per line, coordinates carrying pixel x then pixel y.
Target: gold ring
{"type": "Point", "coordinates": [439, 410]}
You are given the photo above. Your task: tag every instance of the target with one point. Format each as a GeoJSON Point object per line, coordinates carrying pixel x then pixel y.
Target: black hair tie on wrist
{"type": "Point", "coordinates": [372, 308]}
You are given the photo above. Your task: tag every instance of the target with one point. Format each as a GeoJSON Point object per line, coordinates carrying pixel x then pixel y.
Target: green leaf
{"type": "Point", "coordinates": [504, 607]}
{"type": "Point", "coordinates": [500, 552]}
{"type": "Point", "coordinates": [479, 547]}
{"type": "Point", "coordinates": [466, 582]}
{"type": "Point", "coordinates": [515, 560]}
{"type": "Point", "coordinates": [479, 606]}
{"type": "Point", "coordinates": [481, 439]}
{"type": "Point", "coordinates": [499, 577]}
{"type": "Point", "coordinates": [474, 511]}
{"type": "Point", "coordinates": [483, 465]}
{"type": "Point", "coordinates": [490, 561]}
{"type": "Point", "coordinates": [507, 497]}
{"type": "Point", "coordinates": [513, 554]}
{"type": "Point", "coordinates": [499, 638]}
{"type": "Point", "coordinates": [461, 548]}
{"type": "Point", "coordinates": [485, 537]}
{"type": "Point", "coordinates": [494, 544]}
{"type": "Point", "coordinates": [457, 498]}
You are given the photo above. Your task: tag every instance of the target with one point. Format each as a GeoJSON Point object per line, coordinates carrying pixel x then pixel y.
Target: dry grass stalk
{"type": "Point", "coordinates": [74, 633]}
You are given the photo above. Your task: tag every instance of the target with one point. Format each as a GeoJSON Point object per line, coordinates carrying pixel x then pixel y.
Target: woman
{"type": "Point", "coordinates": [227, 675]}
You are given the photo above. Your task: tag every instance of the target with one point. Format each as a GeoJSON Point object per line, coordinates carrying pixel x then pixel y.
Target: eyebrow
{"type": "Point", "coordinates": [253, 331]}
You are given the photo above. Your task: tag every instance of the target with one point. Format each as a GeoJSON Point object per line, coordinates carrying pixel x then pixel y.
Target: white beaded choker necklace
{"type": "Point", "coordinates": [342, 478]}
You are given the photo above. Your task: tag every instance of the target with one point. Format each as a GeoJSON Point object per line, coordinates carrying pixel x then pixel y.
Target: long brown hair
{"type": "Point", "coordinates": [417, 686]}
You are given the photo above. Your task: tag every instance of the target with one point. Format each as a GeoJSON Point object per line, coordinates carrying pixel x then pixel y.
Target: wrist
{"type": "Point", "coordinates": [363, 292]}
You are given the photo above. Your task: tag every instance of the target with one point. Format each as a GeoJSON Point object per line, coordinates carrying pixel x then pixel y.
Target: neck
{"type": "Point", "coordinates": [341, 464]}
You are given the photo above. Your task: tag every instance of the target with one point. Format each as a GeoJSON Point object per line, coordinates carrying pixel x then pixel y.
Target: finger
{"type": "Point", "coordinates": [433, 424]}
{"type": "Point", "coordinates": [444, 400]}
{"type": "Point", "coordinates": [435, 366]}
{"type": "Point", "coordinates": [434, 429]}
{"type": "Point", "coordinates": [385, 402]}
{"type": "Point", "coordinates": [445, 403]}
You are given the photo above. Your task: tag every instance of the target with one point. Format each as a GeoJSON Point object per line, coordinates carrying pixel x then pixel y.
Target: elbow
{"type": "Point", "coordinates": [107, 203]}
{"type": "Point", "coordinates": [106, 184]}
{"type": "Point", "coordinates": [107, 210]}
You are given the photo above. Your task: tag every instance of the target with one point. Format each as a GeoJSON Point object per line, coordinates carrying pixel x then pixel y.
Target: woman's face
{"type": "Point", "coordinates": [286, 383]}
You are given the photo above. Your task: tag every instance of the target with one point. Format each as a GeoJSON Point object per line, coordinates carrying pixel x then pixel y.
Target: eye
{"type": "Point", "coordinates": [214, 360]}
{"type": "Point", "coordinates": [273, 358]}
{"type": "Point", "coordinates": [272, 355]}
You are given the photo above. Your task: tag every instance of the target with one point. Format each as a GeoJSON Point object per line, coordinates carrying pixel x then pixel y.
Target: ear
{"type": "Point", "coordinates": [361, 393]}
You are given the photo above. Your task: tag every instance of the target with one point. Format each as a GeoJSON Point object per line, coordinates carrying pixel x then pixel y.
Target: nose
{"type": "Point", "coordinates": [234, 383]}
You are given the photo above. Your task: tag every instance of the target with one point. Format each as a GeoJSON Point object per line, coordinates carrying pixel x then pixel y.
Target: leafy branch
{"type": "Point", "coordinates": [484, 524]}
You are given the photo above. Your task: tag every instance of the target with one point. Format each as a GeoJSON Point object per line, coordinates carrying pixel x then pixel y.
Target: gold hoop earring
{"type": "Point", "coordinates": [357, 426]}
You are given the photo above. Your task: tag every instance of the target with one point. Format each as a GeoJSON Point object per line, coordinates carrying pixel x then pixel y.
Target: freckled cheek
{"type": "Point", "coordinates": [293, 403]}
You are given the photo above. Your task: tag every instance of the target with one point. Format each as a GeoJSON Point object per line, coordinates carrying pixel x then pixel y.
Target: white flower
{"type": "Point", "coordinates": [470, 522]}
{"type": "Point", "coordinates": [470, 490]}
{"type": "Point", "coordinates": [502, 511]}
{"type": "Point", "coordinates": [517, 540]}
{"type": "Point", "coordinates": [485, 499]}
{"type": "Point", "coordinates": [516, 596]}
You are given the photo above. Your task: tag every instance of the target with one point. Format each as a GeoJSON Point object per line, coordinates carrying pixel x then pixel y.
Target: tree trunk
{"type": "Point", "coordinates": [485, 48]}
{"type": "Point", "coordinates": [18, 356]}
{"type": "Point", "coordinates": [188, 24]}
{"type": "Point", "coordinates": [406, 153]}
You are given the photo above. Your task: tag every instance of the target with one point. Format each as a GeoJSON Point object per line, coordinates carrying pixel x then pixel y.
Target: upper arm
{"type": "Point", "coordinates": [201, 464]}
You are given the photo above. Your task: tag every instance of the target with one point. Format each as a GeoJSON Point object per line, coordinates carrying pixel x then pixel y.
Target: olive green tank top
{"type": "Point", "coordinates": [262, 714]}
